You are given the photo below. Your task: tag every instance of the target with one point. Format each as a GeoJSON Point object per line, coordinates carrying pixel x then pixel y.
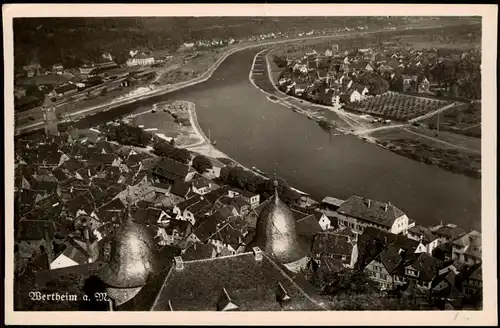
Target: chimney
{"type": "Point", "coordinates": [386, 207]}
{"type": "Point", "coordinates": [179, 264]}
{"type": "Point", "coordinates": [368, 202]}
{"type": "Point", "coordinates": [257, 253]}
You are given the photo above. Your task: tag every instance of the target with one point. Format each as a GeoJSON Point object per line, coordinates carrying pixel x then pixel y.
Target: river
{"type": "Point", "coordinates": [257, 132]}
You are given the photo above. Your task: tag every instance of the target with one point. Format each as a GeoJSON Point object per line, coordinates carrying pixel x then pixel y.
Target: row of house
{"type": "Point", "coordinates": [403, 70]}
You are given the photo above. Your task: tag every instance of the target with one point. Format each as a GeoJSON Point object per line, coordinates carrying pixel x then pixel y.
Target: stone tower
{"type": "Point", "coordinates": [50, 118]}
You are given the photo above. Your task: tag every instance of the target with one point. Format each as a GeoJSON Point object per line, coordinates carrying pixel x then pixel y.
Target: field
{"type": "Point", "coordinates": [455, 153]}
{"type": "Point", "coordinates": [180, 71]}
{"type": "Point", "coordinates": [398, 106]}
{"type": "Point", "coordinates": [464, 119]}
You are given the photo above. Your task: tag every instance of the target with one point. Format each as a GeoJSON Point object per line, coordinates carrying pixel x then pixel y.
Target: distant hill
{"type": "Point", "coordinates": [72, 41]}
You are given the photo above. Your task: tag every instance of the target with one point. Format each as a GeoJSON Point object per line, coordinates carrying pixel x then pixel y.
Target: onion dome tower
{"type": "Point", "coordinates": [132, 262]}
{"type": "Point", "coordinates": [276, 234]}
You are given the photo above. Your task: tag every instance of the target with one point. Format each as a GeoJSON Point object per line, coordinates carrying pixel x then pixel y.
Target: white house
{"type": "Point", "coordinates": [353, 95]}
{"type": "Point", "coordinates": [140, 60]}
{"type": "Point", "coordinates": [363, 91]}
{"type": "Point", "coordinates": [186, 210]}
{"type": "Point", "coordinates": [426, 238]}
{"type": "Point", "coordinates": [358, 213]}
{"type": "Point", "coordinates": [201, 186]}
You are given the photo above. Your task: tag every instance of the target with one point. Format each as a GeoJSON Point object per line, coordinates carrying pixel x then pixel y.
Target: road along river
{"type": "Point", "coordinates": [258, 132]}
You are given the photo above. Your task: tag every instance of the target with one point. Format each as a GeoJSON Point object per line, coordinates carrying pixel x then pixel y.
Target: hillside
{"type": "Point", "coordinates": [72, 41]}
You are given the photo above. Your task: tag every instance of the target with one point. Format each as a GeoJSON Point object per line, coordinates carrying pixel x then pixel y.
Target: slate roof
{"type": "Point", "coordinates": [194, 204]}
{"type": "Point", "coordinates": [251, 285]}
{"type": "Point", "coordinates": [148, 215]}
{"type": "Point", "coordinates": [228, 235]}
{"type": "Point", "coordinates": [449, 231]}
{"type": "Point", "coordinates": [360, 64]}
{"type": "Point", "coordinates": [208, 227]}
{"type": "Point", "coordinates": [331, 243]}
{"type": "Point", "coordinates": [375, 212]}
{"type": "Point", "coordinates": [72, 165]}
{"type": "Point", "coordinates": [60, 175]}
{"type": "Point", "coordinates": [180, 188]}
{"type": "Point", "coordinates": [214, 195]}
{"type": "Point", "coordinates": [201, 182]}
{"type": "Point", "coordinates": [419, 229]}
{"type": "Point", "coordinates": [392, 259]}
{"type": "Point", "coordinates": [427, 266]}
{"type": "Point", "coordinates": [171, 169]}
{"type": "Point", "coordinates": [102, 159]}
{"type": "Point", "coordinates": [332, 201]}
{"type": "Point", "coordinates": [329, 265]}
{"type": "Point", "coordinates": [35, 229]}
{"type": "Point", "coordinates": [82, 201]}
{"type": "Point", "coordinates": [308, 225]}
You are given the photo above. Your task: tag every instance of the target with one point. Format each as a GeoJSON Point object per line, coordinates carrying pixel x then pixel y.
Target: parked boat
{"type": "Point", "coordinates": [258, 171]}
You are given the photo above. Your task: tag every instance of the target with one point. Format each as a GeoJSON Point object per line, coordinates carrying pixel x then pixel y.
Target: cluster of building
{"type": "Point", "coordinates": [336, 77]}
{"type": "Point", "coordinates": [83, 201]}
{"type": "Point", "coordinates": [442, 261]}
{"type": "Point", "coordinates": [61, 84]}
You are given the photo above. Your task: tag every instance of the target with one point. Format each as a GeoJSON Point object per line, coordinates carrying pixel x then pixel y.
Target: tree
{"type": "Point", "coordinates": [181, 155]}
{"type": "Point", "coordinates": [129, 135]}
{"type": "Point", "coordinates": [201, 163]}
{"type": "Point", "coordinates": [163, 148]}
{"type": "Point", "coordinates": [224, 174]}
{"type": "Point", "coordinates": [280, 61]}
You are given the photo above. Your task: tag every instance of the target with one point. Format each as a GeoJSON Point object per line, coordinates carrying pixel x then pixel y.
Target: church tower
{"type": "Point", "coordinates": [133, 261]}
{"type": "Point", "coordinates": [50, 118]}
{"type": "Point", "coordinates": [276, 234]}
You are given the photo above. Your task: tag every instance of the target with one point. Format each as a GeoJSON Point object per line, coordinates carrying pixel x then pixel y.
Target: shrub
{"type": "Point", "coordinates": [201, 163]}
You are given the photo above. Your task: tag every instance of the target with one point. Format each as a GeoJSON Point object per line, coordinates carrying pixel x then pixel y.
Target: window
{"type": "Point", "coordinates": [383, 276]}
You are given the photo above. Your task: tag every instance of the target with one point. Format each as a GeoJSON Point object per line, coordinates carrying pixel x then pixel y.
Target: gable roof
{"type": "Point", "coordinates": [180, 188]}
{"type": "Point", "coordinates": [308, 225]}
{"type": "Point", "coordinates": [427, 266]}
{"type": "Point", "coordinates": [251, 285]}
{"type": "Point", "coordinates": [370, 210]}
{"type": "Point", "coordinates": [332, 243]}
{"type": "Point", "coordinates": [171, 169]}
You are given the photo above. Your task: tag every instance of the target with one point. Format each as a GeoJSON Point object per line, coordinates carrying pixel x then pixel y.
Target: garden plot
{"type": "Point", "coordinates": [398, 106]}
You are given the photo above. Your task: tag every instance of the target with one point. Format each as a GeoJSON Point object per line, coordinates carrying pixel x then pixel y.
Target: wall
{"type": "Point", "coordinates": [377, 272]}
{"type": "Point", "coordinates": [400, 225]}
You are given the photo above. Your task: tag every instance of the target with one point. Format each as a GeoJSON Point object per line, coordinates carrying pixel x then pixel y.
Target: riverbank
{"type": "Point", "coordinates": [454, 153]}
{"type": "Point", "coordinates": [205, 76]}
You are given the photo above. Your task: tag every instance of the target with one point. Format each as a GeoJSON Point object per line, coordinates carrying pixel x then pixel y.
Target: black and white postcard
{"type": "Point", "coordinates": [333, 161]}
